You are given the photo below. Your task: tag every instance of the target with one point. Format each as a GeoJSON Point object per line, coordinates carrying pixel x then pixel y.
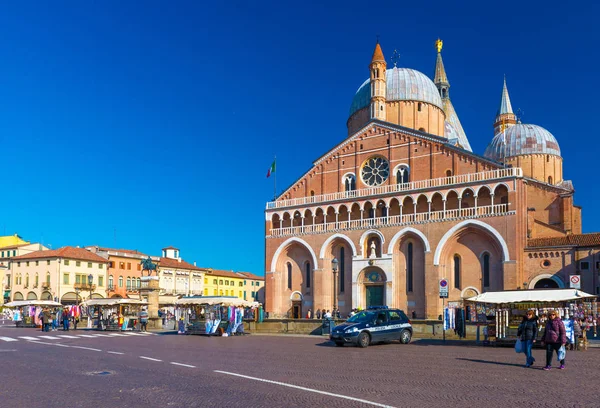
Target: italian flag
{"type": "Point", "coordinates": [271, 169]}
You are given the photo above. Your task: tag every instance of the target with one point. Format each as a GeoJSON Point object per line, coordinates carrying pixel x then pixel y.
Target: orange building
{"type": "Point", "coordinates": [403, 202]}
{"type": "Point", "coordinates": [124, 271]}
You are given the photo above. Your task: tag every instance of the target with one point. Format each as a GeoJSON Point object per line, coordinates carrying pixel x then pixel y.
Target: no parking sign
{"type": "Point", "coordinates": [575, 282]}
{"type": "Point", "coordinates": [443, 288]}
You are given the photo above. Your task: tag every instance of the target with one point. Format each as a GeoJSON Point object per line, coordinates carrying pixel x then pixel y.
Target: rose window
{"type": "Point", "coordinates": [375, 171]}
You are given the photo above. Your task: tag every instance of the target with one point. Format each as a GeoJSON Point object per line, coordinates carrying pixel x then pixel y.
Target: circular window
{"type": "Point", "coordinates": [546, 263]}
{"type": "Point", "coordinates": [375, 171]}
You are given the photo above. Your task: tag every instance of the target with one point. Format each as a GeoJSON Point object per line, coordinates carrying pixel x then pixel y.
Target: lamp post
{"type": "Point", "coordinates": [334, 268]}
{"type": "Point", "coordinates": [90, 281]}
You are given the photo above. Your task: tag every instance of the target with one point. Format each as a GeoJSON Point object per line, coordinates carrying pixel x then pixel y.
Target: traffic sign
{"type": "Point", "coordinates": [575, 282]}
{"type": "Point", "coordinates": [443, 288]}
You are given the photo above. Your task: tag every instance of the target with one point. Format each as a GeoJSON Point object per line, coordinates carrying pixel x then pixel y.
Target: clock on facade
{"type": "Point", "coordinates": [375, 171]}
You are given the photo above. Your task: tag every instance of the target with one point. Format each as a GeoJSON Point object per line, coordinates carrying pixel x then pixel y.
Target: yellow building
{"type": "Point", "coordinates": [243, 285]}
{"type": "Point", "coordinates": [11, 241]}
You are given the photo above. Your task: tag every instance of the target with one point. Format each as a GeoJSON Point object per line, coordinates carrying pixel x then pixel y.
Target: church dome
{"type": "Point", "coordinates": [520, 140]}
{"type": "Point", "coordinates": [402, 84]}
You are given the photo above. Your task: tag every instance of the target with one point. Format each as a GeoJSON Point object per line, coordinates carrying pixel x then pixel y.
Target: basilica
{"type": "Point", "coordinates": [402, 202]}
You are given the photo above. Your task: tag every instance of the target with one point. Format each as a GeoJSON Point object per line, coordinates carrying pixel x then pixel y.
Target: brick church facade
{"type": "Point", "coordinates": [403, 202]}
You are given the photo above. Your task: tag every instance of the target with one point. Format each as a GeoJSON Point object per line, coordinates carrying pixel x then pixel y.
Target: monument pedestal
{"type": "Point", "coordinates": [149, 291]}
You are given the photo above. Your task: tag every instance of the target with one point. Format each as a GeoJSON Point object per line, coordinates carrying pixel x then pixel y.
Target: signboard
{"type": "Point", "coordinates": [443, 288]}
{"type": "Point", "coordinates": [575, 282]}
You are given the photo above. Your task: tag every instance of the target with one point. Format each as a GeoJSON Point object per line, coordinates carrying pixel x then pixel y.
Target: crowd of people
{"type": "Point", "coordinates": [52, 319]}
{"type": "Point", "coordinates": [328, 314]}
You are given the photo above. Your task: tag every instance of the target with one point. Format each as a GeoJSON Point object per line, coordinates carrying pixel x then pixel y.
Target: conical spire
{"type": "Point", "coordinates": [505, 106]}
{"type": "Point", "coordinates": [440, 71]}
{"type": "Point", "coordinates": [377, 54]}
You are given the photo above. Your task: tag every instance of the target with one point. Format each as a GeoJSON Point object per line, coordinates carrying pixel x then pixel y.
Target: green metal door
{"type": "Point", "coordinates": [374, 295]}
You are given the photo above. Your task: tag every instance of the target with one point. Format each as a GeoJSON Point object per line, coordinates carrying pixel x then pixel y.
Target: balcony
{"type": "Point", "coordinates": [84, 287]}
{"type": "Point", "coordinates": [46, 285]}
{"type": "Point", "coordinates": [411, 187]}
{"type": "Point", "coordinates": [396, 220]}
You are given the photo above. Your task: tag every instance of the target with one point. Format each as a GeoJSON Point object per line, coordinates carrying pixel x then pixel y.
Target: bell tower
{"type": "Point", "coordinates": [378, 85]}
{"type": "Point", "coordinates": [505, 116]}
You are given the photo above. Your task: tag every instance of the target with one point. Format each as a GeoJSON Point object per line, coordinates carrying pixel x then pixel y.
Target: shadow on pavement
{"type": "Point", "coordinates": [474, 360]}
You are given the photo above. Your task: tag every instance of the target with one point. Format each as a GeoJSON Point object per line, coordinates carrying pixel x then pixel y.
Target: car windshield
{"type": "Point", "coordinates": [362, 317]}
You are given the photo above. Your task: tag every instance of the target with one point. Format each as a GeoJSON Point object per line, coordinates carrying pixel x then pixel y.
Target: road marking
{"type": "Point", "coordinates": [150, 358]}
{"type": "Point", "coordinates": [116, 334]}
{"type": "Point", "coordinates": [102, 335]}
{"type": "Point", "coordinates": [305, 389]}
{"type": "Point", "coordinates": [66, 336]}
{"type": "Point", "coordinates": [49, 337]}
{"type": "Point", "coordinates": [28, 337]}
{"type": "Point", "coordinates": [133, 334]}
{"type": "Point", "coordinates": [183, 365]}
{"type": "Point", "coordinates": [48, 344]}
{"type": "Point", "coordinates": [86, 348]}
{"type": "Point", "coordinates": [115, 352]}
{"type": "Point", "coordinates": [86, 335]}
{"type": "Point", "coordinates": [8, 339]}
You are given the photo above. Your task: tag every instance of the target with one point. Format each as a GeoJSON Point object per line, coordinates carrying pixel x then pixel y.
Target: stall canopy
{"type": "Point", "coordinates": [21, 303]}
{"type": "Point", "coordinates": [216, 300]}
{"type": "Point", "coordinates": [522, 296]}
{"type": "Point", "coordinates": [113, 302]}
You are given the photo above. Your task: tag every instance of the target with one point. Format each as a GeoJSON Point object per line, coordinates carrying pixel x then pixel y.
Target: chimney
{"type": "Point", "coordinates": [194, 263]}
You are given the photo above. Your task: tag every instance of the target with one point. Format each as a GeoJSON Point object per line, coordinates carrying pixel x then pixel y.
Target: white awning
{"type": "Point", "coordinates": [21, 303]}
{"type": "Point", "coordinates": [216, 300]}
{"type": "Point", "coordinates": [113, 302]}
{"type": "Point", "coordinates": [529, 296]}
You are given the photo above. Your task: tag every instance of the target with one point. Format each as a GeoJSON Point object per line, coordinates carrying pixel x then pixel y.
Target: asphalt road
{"type": "Point", "coordinates": [169, 370]}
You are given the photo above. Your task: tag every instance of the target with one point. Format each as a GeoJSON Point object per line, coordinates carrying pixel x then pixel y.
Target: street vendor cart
{"type": "Point", "coordinates": [25, 312]}
{"type": "Point", "coordinates": [114, 314]}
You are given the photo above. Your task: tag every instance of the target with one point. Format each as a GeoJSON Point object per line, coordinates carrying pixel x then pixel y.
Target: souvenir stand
{"type": "Point", "coordinates": [501, 312]}
{"type": "Point", "coordinates": [26, 312]}
{"type": "Point", "coordinates": [115, 314]}
{"type": "Point", "coordinates": [212, 315]}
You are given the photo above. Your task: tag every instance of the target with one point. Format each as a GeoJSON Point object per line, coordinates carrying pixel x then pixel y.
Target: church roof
{"type": "Point", "coordinates": [378, 54]}
{"type": "Point", "coordinates": [579, 240]}
{"type": "Point", "coordinates": [402, 84]}
{"type": "Point", "coordinates": [521, 139]}
{"type": "Point", "coordinates": [505, 106]}
{"type": "Point", "coordinates": [440, 71]}
{"type": "Point", "coordinates": [452, 118]}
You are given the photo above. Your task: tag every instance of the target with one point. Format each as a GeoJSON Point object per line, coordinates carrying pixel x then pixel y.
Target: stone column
{"type": "Point", "coordinates": [149, 291]}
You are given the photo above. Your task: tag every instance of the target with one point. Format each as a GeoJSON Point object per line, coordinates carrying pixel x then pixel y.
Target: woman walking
{"type": "Point", "coordinates": [527, 333]}
{"type": "Point", "coordinates": [555, 337]}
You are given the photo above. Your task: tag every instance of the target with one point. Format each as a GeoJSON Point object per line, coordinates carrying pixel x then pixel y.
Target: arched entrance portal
{"type": "Point", "coordinates": [296, 311]}
{"type": "Point", "coordinates": [546, 283]}
{"type": "Point", "coordinates": [373, 280]}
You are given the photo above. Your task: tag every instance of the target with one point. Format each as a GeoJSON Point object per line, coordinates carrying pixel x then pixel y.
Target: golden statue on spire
{"type": "Point", "coordinates": [439, 44]}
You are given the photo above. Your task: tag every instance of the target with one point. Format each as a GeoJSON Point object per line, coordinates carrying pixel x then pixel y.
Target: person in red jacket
{"type": "Point", "coordinates": [554, 337]}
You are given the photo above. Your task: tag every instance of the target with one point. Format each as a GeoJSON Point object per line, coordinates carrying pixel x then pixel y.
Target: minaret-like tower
{"type": "Point", "coordinates": [505, 116]}
{"type": "Point", "coordinates": [378, 85]}
{"type": "Point", "coordinates": [441, 80]}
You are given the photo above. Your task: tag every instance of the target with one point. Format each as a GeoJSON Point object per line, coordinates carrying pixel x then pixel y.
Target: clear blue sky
{"type": "Point", "coordinates": [160, 119]}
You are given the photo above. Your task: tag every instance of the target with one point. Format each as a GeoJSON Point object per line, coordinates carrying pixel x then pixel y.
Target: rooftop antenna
{"type": "Point", "coordinates": [395, 57]}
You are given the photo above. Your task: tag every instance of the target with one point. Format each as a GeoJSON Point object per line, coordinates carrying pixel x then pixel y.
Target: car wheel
{"type": "Point", "coordinates": [364, 339]}
{"type": "Point", "coordinates": [339, 344]}
{"type": "Point", "coordinates": [405, 336]}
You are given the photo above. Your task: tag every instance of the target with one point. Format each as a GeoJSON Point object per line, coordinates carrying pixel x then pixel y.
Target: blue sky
{"type": "Point", "coordinates": [160, 120]}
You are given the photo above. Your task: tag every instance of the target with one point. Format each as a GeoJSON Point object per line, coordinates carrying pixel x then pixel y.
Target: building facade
{"type": "Point", "coordinates": [403, 202]}
{"type": "Point", "coordinates": [178, 277]}
{"type": "Point", "coordinates": [243, 285]}
{"type": "Point", "coordinates": [61, 275]}
{"type": "Point", "coordinates": [124, 271]}
{"type": "Point", "coordinates": [10, 247]}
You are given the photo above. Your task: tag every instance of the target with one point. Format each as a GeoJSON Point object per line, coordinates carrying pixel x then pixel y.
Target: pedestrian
{"type": "Point", "coordinates": [555, 337]}
{"type": "Point", "coordinates": [65, 319]}
{"type": "Point", "coordinates": [143, 319]}
{"type": "Point", "coordinates": [181, 326]}
{"type": "Point", "coordinates": [318, 314]}
{"type": "Point", "coordinates": [527, 332]}
{"type": "Point", "coordinates": [309, 314]}
{"type": "Point", "coordinates": [327, 314]}
{"type": "Point", "coordinates": [75, 321]}
{"type": "Point", "coordinates": [46, 320]}
{"type": "Point", "coordinates": [55, 315]}
{"type": "Point", "coordinates": [576, 332]}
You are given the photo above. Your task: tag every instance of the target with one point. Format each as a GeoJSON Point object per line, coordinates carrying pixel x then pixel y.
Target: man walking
{"type": "Point", "coordinates": [143, 319]}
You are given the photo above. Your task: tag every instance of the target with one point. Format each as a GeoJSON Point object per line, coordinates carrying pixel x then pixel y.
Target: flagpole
{"type": "Point", "coordinates": [275, 179]}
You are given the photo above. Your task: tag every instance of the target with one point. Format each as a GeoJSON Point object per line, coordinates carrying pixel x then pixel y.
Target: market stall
{"type": "Point", "coordinates": [501, 312]}
{"type": "Point", "coordinates": [113, 314]}
{"type": "Point", "coordinates": [25, 313]}
{"type": "Point", "coordinates": [213, 315]}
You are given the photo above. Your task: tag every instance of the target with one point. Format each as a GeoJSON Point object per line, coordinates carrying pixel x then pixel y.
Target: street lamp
{"type": "Point", "coordinates": [334, 268]}
{"type": "Point", "coordinates": [90, 281]}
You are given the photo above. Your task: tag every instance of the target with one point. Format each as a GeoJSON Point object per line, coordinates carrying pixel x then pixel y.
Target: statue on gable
{"type": "Point", "coordinates": [148, 265]}
{"type": "Point", "coordinates": [373, 253]}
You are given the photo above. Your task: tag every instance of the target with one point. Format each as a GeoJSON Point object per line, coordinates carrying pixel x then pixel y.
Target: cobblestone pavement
{"type": "Point", "coordinates": [170, 370]}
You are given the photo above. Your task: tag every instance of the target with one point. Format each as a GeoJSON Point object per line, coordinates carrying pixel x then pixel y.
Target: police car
{"type": "Point", "coordinates": [373, 325]}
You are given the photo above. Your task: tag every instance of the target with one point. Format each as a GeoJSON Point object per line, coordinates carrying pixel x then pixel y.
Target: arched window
{"type": "Point", "coordinates": [342, 269]}
{"type": "Point", "coordinates": [402, 175]}
{"type": "Point", "coordinates": [409, 267]}
{"type": "Point", "coordinates": [111, 282]}
{"type": "Point", "coordinates": [349, 182]}
{"type": "Point", "coordinates": [308, 274]}
{"type": "Point", "coordinates": [448, 173]}
{"type": "Point", "coordinates": [120, 281]}
{"type": "Point", "coordinates": [289, 275]}
{"type": "Point", "coordinates": [48, 278]}
{"type": "Point", "coordinates": [139, 282]}
{"type": "Point", "coordinates": [37, 279]}
{"type": "Point", "coordinates": [457, 271]}
{"type": "Point", "coordinates": [128, 283]}
{"type": "Point", "coordinates": [27, 280]}
{"type": "Point", "coordinates": [419, 107]}
{"type": "Point", "coordinates": [486, 270]}
{"type": "Point", "coordinates": [549, 179]}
